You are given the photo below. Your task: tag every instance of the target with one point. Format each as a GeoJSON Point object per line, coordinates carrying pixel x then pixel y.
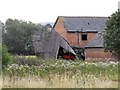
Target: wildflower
{"type": "Point", "coordinates": [82, 64]}
{"type": "Point", "coordinates": [94, 64]}
{"type": "Point", "coordinates": [86, 62]}
{"type": "Point", "coordinates": [14, 65]}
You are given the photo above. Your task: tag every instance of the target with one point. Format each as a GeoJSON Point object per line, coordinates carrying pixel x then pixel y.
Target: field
{"type": "Point", "coordinates": [33, 72]}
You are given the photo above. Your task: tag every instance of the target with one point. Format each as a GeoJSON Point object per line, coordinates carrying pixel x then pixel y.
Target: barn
{"type": "Point", "coordinates": [84, 32]}
{"type": "Point", "coordinates": [48, 44]}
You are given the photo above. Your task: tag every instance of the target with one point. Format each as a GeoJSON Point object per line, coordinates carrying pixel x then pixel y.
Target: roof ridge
{"type": "Point", "coordinates": [83, 16]}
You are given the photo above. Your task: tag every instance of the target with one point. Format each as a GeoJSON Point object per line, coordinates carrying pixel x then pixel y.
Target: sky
{"type": "Point", "coordinates": [38, 11]}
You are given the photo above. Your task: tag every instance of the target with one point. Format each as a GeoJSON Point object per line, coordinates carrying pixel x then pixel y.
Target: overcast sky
{"type": "Point", "coordinates": [48, 10]}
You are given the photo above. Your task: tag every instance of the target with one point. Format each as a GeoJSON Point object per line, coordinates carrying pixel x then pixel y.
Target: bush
{"type": "Point", "coordinates": [6, 57]}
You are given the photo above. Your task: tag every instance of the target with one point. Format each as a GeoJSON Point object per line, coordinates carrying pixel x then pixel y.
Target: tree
{"type": "Point", "coordinates": [6, 57]}
{"type": "Point", "coordinates": [17, 36]}
{"type": "Point", "coordinates": [112, 34]}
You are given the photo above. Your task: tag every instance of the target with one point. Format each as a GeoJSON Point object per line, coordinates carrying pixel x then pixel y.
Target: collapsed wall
{"type": "Point", "coordinates": [47, 44]}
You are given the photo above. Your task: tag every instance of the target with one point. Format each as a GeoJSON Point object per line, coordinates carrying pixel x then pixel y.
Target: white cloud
{"type": "Point", "coordinates": [48, 10]}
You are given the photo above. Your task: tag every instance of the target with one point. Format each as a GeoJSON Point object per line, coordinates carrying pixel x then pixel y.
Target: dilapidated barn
{"type": "Point", "coordinates": [49, 44]}
{"type": "Point", "coordinates": [84, 32]}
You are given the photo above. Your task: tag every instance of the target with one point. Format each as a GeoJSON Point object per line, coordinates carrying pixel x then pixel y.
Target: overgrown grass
{"type": "Point", "coordinates": [1, 81]}
{"type": "Point", "coordinates": [58, 81]}
{"type": "Point", "coordinates": [60, 73]}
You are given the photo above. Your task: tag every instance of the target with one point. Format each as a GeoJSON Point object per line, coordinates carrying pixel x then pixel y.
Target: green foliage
{"type": "Point", "coordinates": [44, 68]}
{"type": "Point", "coordinates": [112, 34]}
{"type": "Point", "coordinates": [17, 36]}
{"type": "Point", "coordinates": [6, 58]}
{"type": "Point", "coordinates": [78, 72]}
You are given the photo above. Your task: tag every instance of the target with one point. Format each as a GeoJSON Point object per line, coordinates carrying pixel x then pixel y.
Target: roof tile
{"type": "Point", "coordinates": [85, 23]}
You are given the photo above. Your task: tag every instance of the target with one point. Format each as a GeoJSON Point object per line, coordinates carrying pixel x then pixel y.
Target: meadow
{"type": "Point", "coordinates": [33, 72]}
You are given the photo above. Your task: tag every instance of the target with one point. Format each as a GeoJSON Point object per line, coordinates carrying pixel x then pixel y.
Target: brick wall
{"type": "Point", "coordinates": [73, 39]}
{"type": "Point", "coordinates": [59, 27]}
{"type": "Point", "coordinates": [97, 53]}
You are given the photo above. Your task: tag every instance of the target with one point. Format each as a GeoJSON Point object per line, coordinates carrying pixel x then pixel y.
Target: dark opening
{"type": "Point", "coordinates": [65, 54]}
{"type": "Point", "coordinates": [79, 52]}
{"type": "Point", "coordinates": [60, 53]}
{"type": "Point", "coordinates": [84, 36]}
